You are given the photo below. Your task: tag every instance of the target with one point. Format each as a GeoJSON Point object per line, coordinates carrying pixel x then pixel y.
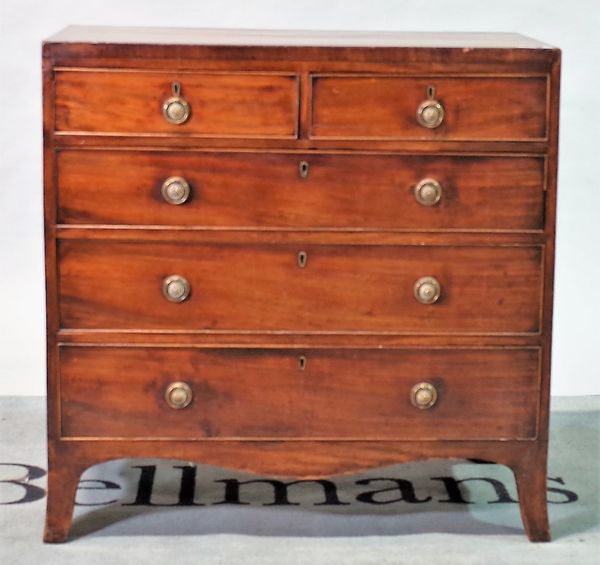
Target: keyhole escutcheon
{"type": "Point", "coordinates": [302, 259]}
{"type": "Point", "coordinates": [303, 169]}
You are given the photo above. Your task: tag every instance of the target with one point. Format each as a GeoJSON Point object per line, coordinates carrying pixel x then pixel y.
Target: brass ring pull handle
{"type": "Point", "coordinates": [430, 113]}
{"type": "Point", "coordinates": [427, 290]}
{"type": "Point", "coordinates": [175, 288]}
{"type": "Point", "coordinates": [176, 109]}
{"type": "Point", "coordinates": [428, 192]}
{"type": "Point", "coordinates": [178, 395]}
{"type": "Point", "coordinates": [175, 190]}
{"type": "Point", "coordinates": [423, 395]}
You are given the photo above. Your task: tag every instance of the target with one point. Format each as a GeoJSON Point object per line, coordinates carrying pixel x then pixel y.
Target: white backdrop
{"type": "Point", "coordinates": [573, 26]}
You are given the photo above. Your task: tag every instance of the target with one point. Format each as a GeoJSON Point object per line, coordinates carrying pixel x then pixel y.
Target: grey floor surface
{"type": "Point", "coordinates": [479, 525]}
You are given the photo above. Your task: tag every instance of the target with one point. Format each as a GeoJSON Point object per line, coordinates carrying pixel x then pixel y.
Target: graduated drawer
{"type": "Point", "coordinates": [220, 105]}
{"type": "Point", "coordinates": [245, 393]}
{"type": "Point", "coordinates": [264, 287]}
{"type": "Point", "coordinates": [385, 107]}
{"type": "Point", "coordinates": [268, 190]}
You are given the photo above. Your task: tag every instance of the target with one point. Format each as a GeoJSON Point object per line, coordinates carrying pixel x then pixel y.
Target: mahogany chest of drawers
{"type": "Point", "coordinates": [298, 254]}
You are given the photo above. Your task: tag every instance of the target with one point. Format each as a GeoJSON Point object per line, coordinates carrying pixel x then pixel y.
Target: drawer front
{"type": "Point", "coordinates": [481, 394]}
{"type": "Point", "coordinates": [475, 108]}
{"type": "Point", "coordinates": [220, 105]}
{"type": "Point", "coordinates": [267, 190]}
{"type": "Point", "coordinates": [300, 288]}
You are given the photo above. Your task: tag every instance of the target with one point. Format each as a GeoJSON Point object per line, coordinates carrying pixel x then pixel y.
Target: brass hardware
{"type": "Point", "coordinates": [430, 113]}
{"type": "Point", "coordinates": [427, 290]}
{"type": "Point", "coordinates": [302, 362]}
{"type": "Point", "coordinates": [303, 169]}
{"type": "Point", "coordinates": [423, 395]}
{"type": "Point", "coordinates": [176, 109]}
{"type": "Point", "coordinates": [175, 190]}
{"type": "Point", "coordinates": [302, 259]}
{"type": "Point", "coordinates": [175, 288]}
{"type": "Point", "coordinates": [178, 395]}
{"type": "Point", "coordinates": [428, 192]}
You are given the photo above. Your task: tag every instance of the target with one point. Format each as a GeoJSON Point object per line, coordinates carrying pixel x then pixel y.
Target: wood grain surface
{"type": "Point", "coordinates": [483, 394]}
{"type": "Point", "coordinates": [226, 105]}
{"type": "Point", "coordinates": [262, 288]}
{"type": "Point", "coordinates": [385, 107]}
{"type": "Point", "coordinates": [265, 190]}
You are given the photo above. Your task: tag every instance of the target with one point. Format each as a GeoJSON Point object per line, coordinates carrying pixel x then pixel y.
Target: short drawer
{"type": "Point", "coordinates": [122, 392]}
{"type": "Point", "coordinates": [300, 288]}
{"type": "Point", "coordinates": [386, 107]}
{"type": "Point", "coordinates": [219, 105]}
{"type": "Point", "coordinates": [375, 191]}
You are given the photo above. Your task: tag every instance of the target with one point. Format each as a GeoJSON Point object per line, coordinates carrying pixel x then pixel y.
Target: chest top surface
{"type": "Point", "coordinates": [293, 38]}
{"type": "Point", "coordinates": [447, 51]}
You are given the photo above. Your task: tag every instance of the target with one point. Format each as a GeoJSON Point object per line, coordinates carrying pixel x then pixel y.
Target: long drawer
{"type": "Point", "coordinates": [269, 190]}
{"type": "Point", "coordinates": [500, 108]}
{"type": "Point", "coordinates": [122, 392]}
{"type": "Point", "coordinates": [131, 102]}
{"type": "Point", "coordinates": [264, 287]}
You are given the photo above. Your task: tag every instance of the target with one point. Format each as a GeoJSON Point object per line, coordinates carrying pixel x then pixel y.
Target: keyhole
{"type": "Point", "coordinates": [303, 169]}
{"type": "Point", "coordinates": [431, 91]}
{"type": "Point", "coordinates": [302, 259]}
{"type": "Point", "coordinates": [302, 362]}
